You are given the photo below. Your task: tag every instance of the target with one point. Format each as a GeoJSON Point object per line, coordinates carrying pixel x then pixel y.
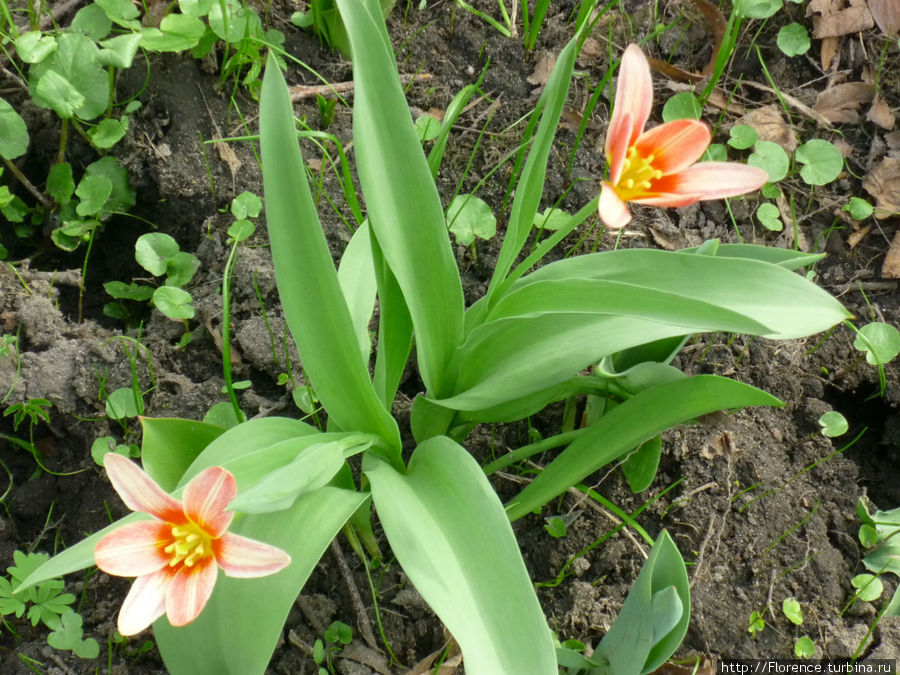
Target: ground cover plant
{"type": "Point", "coordinates": [604, 339]}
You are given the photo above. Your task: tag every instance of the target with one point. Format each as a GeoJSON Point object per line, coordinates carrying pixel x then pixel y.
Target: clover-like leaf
{"type": "Point", "coordinates": [154, 250]}
{"type": "Point", "coordinates": [769, 216]}
{"type": "Point", "coordinates": [174, 302]}
{"type": "Point", "coordinates": [822, 162]}
{"type": "Point", "coordinates": [468, 217]}
{"type": "Point", "coordinates": [682, 106]}
{"type": "Point", "coordinates": [793, 39]}
{"type": "Point", "coordinates": [880, 342]}
{"type": "Point", "coordinates": [833, 424]}
{"type": "Point", "coordinates": [13, 132]}
{"type": "Point", "coordinates": [771, 158]}
{"type": "Point", "coordinates": [742, 136]}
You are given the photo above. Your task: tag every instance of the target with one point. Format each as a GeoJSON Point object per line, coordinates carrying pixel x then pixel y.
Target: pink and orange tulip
{"type": "Point", "coordinates": [176, 556]}
{"type": "Point", "coordinates": [659, 166]}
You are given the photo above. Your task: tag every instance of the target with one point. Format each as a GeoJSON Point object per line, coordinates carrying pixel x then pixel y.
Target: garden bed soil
{"type": "Point", "coordinates": [760, 503]}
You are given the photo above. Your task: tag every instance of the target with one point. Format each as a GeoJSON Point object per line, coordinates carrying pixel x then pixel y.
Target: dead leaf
{"type": "Point", "coordinates": [717, 26]}
{"type": "Point", "coordinates": [843, 146]}
{"type": "Point", "coordinates": [887, 15]}
{"type": "Point", "coordinates": [828, 50]}
{"type": "Point", "coordinates": [228, 155]}
{"type": "Point", "coordinates": [360, 653]}
{"type": "Point", "coordinates": [854, 238]}
{"type": "Point", "coordinates": [770, 126]}
{"type": "Point", "coordinates": [724, 101]}
{"type": "Point", "coordinates": [542, 68]}
{"type": "Point", "coordinates": [891, 267]}
{"type": "Point", "coordinates": [705, 668]}
{"type": "Point", "coordinates": [436, 113]}
{"type": "Point", "coordinates": [590, 50]}
{"type": "Point", "coordinates": [450, 663]}
{"type": "Point", "coordinates": [842, 103]}
{"type": "Point", "coordinates": [883, 183]}
{"type": "Point", "coordinates": [881, 114]}
{"type": "Point", "coordinates": [570, 120]}
{"type": "Point", "coordinates": [842, 22]}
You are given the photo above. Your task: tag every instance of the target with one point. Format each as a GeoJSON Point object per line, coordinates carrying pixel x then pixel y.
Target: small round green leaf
{"type": "Point", "coordinates": [792, 611]}
{"type": "Point", "coordinates": [682, 106]}
{"type": "Point", "coordinates": [716, 152]}
{"type": "Point", "coordinates": [822, 162]}
{"type": "Point", "coordinates": [121, 404]}
{"type": "Point", "coordinates": [468, 217]}
{"type": "Point", "coordinates": [833, 424]}
{"type": "Point", "coordinates": [868, 536]}
{"type": "Point", "coordinates": [859, 209]}
{"type": "Point", "coordinates": [758, 9]}
{"type": "Point", "coordinates": [804, 648]}
{"type": "Point", "coordinates": [34, 46]}
{"type": "Point", "coordinates": [868, 587]}
{"type": "Point", "coordinates": [60, 183]}
{"type": "Point", "coordinates": [555, 527]}
{"type": "Point", "coordinates": [551, 219]}
{"type": "Point", "coordinates": [154, 250]}
{"type": "Point", "coordinates": [92, 21]}
{"type": "Point", "coordinates": [246, 205]}
{"type": "Point", "coordinates": [769, 216]}
{"type": "Point", "coordinates": [771, 158]}
{"type": "Point", "coordinates": [13, 132]}
{"type": "Point", "coordinates": [427, 128]}
{"type": "Point", "coordinates": [770, 191]}
{"type": "Point", "coordinates": [793, 39]}
{"type": "Point", "coordinates": [180, 268]}
{"type": "Point", "coordinates": [880, 342]}
{"type": "Point", "coordinates": [174, 302]}
{"type": "Point", "coordinates": [93, 191]}
{"type": "Point", "coordinates": [742, 136]}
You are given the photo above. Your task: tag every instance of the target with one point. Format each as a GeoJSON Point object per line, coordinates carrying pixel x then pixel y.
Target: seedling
{"type": "Point", "coordinates": [792, 611]}
{"type": "Point", "coordinates": [833, 424]}
{"type": "Point", "coordinates": [793, 39]}
{"type": "Point", "coordinates": [337, 636]}
{"type": "Point", "coordinates": [468, 217]}
{"type": "Point", "coordinates": [756, 623]}
{"type": "Point", "coordinates": [804, 647]}
{"type": "Point", "coordinates": [859, 209]}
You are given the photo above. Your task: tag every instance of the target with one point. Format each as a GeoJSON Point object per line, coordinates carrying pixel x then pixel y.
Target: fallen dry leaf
{"type": "Point", "coordinates": [883, 183]}
{"type": "Point", "coordinates": [770, 126]}
{"type": "Point", "coordinates": [887, 15]}
{"type": "Point", "coordinates": [891, 267]}
{"type": "Point", "coordinates": [842, 22]}
{"type": "Point", "coordinates": [705, 668]}
{"type": "Point", "coordinates": [855, 237]}
{"type": "Point", "coordinates": [542, 68]}
{"type": "Point", "coordinates": [842, 103]}
{"type": "Point", "coordinates": [828, 50]}
{"type": "Point", "coordinates": [881, 114]}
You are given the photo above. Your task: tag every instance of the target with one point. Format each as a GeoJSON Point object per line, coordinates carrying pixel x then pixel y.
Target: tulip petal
{"type": "Point", "coordinates": [612, 210]}
{"type": "Point", "coordinates": [245, 558]}
{"type": "Point", "coordinates": [145, 602]}
{"type": "Point", "coordinates": [205, 498]}
{"type": "Point", "coordinates": [189, 591]}
{"type": "Point", "coordinates": [134, 549]}
{"type": "Point", "coordinates": [631, 107]}
{"type": "Point", "coordinates": [668, 200]}
{"type": "Point", "coordinates": [138, 490]}
{"type": "Point", "coordinates": [711, 180]}
{"type": "Point", "coordinates": [674, 145]}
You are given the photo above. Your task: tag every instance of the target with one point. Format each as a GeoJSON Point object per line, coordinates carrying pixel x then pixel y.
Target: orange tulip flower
{"type": "Point", "coordinates": [176, 556]}
{"type": "Point", "coordinates": [659, 166]}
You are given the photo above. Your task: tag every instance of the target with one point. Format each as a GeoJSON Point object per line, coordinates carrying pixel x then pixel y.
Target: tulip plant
{"type": "Point", "coordinates": [604, 326]}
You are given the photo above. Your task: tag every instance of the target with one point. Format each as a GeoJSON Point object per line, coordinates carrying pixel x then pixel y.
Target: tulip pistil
{"type": "Point", "coordinates": [190, 544]}
{"type": "Point", "coordinates": [637, 175]}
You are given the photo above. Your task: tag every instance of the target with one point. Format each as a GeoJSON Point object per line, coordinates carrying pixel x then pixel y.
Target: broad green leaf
{"type": "Point", "coordinates": [451, 535]}
{"type": "Point", "coordinates": [833, 424]}
{"type": "Point", "coordinates": [632, 423]}
{"type": "Point", "coordinates": [198, 8]}
{"type": "Point", "coordinates": [122, 12]}
{"type": "Point", "coordinates": [170, 445]}
{"type": "Point", "coordinates": [174, 302]}
{"type": "Point", "coordinates": [244, 619]}
{"type": "Point", "coordinates": [180, 268]}
{"type": "Point", "coordinates": [551, 220]}
{"type": "Point", "coordinates": [356, 274]}
{"type": "Point", "coordinates": [792, 611]}
{"type": "Point", "coordinates": [654, 619]}
{"type": "Point", "coordinates": [640, 466]}
{"type": "Point", "coordinates": [868, 587]}
{"type": "Point", "coordinates": [94, 192]}
{"type": "Point", "coordinates": [92, 21]}
{"type": "Point", "coordinates": [119, 51]}
{"type": "Point", "coordinates": [793, 39]}
{"type": "Point", "coordinates": [121, 403]}
{"type": "Point", "coordinates": [395, 330]}
{"type": "Point", "coordinates": [769, 215]}
{"type": "Point", "coordinates": [682, 106]}
{"type": "Point", "coordinates": [176, 33]}
{"type": "Point", "coordinates": [758, 9]}
{"type": "Point", "coordinates": [783, 257]}
{"type": "Point", "coordinates": [71, 80]}
{"type": "Point", "coordinates": [130, 291]}
{"type": "Point", "coordinates": [468, 217]}
{"type": "Point", "coordinates": [859, 209]}
{"type": "Point", "coordinates": [328, 348]}
{"type": "Point", "coordinates": [404, 207]}
{"type": "Point", "coordinates": [530, 184]}
{"type": "Point", "coordinates": [34, 46]}
{"type": "Point", "coordinates": [123, 195]}
{"type": "Point", "coordinates": [312, 469]}
{"type": "Point", "coordinates": [716, 152]}
{"type": "Point", "coordinates": [246, 205]}
{"type": "Point", "coordinates": [451, 114]}
{"type": "Point", "coordinates": [743, 136]}
{"type": "Point", "coordinates": [880, 342]}
{"type": "Point", "coordinates": [771, 158]}
{"type": "Point", "coordinates": [822, 162]}
{"type": "Point", "coordinates": [427, 128]}
{"type": "Point", "coordinates": [106, 134]}
{"type": "Point", "coordinates": [13, 132]}
{"type": "Point", "coordinates": [154, 250]}
{"type": "Point", "coordinates": [572, 318]}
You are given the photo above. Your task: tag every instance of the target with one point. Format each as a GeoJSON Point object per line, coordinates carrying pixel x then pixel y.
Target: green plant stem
{"type": "Point", "coordinates": [63, 140]}
{"type": "Point", "coordinates": [527, 451]}
{"type": "Point", "coordinates": [87, 254]}
{"type": "Point", "coordinates": [28, 185]}
{"type": "Point", "coordinates": [226, 331]}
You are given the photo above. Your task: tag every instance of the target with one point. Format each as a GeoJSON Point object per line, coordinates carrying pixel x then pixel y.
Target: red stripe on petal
{"type": "Point", "coordinates": [145, 602]}
{"type": "Point", "coordinates": [245, 558]}
{"type": "Point", "coordinates": [713, 180]}
{"type": "Point", "coordinates": [205, 498]}
{"type": "Point", "coordinates": [138, 490]}
{"type": "Point", "coordinates": [669, 201]}
{"type": "Point", "coordinates": [134, 549]}
{"type": "Point", "coordinates": [634, 91]}
{"type": "Point", "coordinates": [189, 591]}
{"type": "Point", "coordinates": [674, 145]}
{"type": "Point", "coordinates": [611, 209]}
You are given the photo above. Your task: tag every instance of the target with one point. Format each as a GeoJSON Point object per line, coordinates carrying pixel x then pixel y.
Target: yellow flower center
{"type": "Point", "coordinates": [637, 176]}
{"type": "Point", "coordinates": [190, 544]}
